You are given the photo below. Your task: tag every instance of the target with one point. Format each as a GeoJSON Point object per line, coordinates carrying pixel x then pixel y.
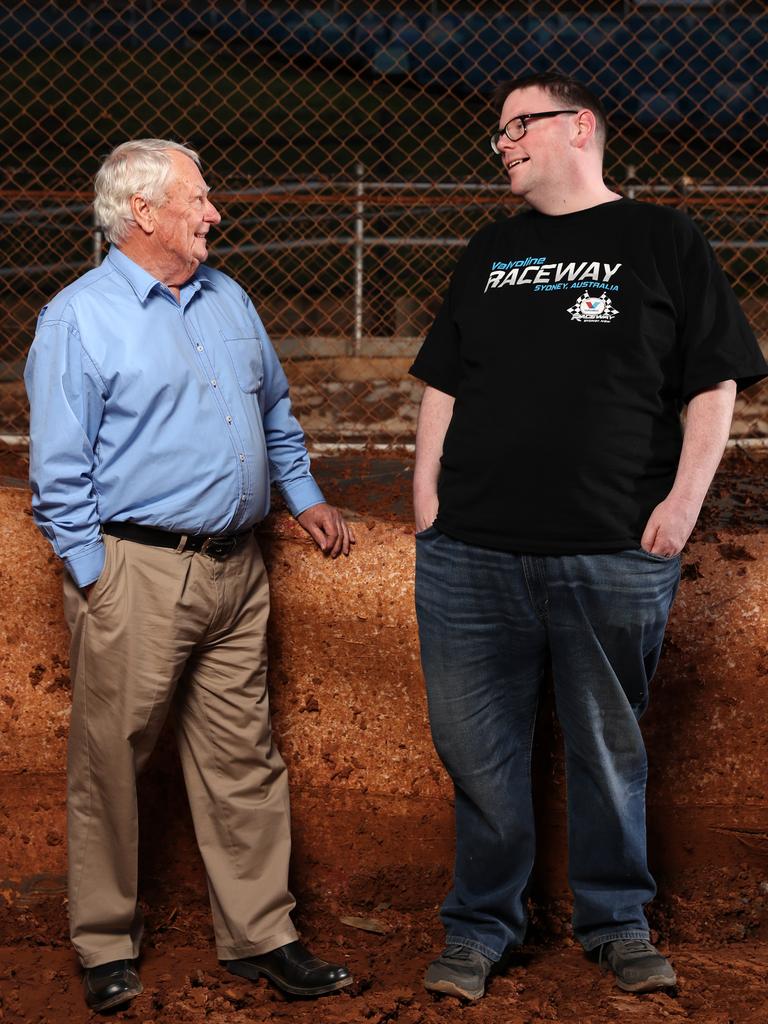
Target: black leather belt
{"type": "Point", "coordinates": [215, 545]}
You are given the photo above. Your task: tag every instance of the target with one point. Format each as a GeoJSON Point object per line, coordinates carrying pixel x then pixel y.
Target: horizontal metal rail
{"type": "Point", "coordinates": [390, 241]}
{"type": "Point", "coordinates": [321, 448]}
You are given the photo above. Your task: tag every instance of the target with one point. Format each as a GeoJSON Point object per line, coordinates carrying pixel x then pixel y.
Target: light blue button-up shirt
{"type": "Point", "coordinates": [152, 411]}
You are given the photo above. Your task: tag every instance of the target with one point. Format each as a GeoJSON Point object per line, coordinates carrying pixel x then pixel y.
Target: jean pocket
{"type": "Point", "coordinates": [658, 558]}
{"type": "Point", "coordinates": [245, 353]}
{"type": "Point", "coordinates": [423, 534]}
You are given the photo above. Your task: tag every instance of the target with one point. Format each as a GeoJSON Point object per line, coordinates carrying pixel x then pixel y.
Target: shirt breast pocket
{"type": "Point", "coordinates": [247, 360]}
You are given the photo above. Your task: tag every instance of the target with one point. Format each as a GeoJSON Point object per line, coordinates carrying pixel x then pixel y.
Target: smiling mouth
{"type": "Point", "coordinates": [515, 163]}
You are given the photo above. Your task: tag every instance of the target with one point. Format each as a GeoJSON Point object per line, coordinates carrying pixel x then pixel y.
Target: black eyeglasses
{"type": "Point", "coordinates": [516, 127]}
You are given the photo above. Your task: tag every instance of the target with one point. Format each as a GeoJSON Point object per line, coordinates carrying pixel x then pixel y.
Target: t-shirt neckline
{"type": "Point", "coordinates": [560, 217]}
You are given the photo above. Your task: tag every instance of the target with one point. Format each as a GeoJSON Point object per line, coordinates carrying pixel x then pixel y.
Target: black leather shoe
{"type": "Point", "coordinates": [111, 984]}
{"type": "Point", "coordinates": [294, 970]}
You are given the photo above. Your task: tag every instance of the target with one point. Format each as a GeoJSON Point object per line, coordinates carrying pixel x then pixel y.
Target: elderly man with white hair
{"type": "Point", "coordinates": [159, 417]}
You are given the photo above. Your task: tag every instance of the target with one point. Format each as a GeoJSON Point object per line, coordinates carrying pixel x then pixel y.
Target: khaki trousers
{"type": "Point", "coordinates": [160, 626]}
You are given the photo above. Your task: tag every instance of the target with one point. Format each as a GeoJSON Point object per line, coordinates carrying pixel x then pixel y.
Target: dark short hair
{"type": "Point", "coordinates": [563, 88]}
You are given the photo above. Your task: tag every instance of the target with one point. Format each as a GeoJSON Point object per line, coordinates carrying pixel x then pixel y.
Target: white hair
{"type": "Point", "coordinates": [138, 167]}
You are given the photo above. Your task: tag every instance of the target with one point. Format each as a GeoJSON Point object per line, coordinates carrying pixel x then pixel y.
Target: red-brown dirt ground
{"type": "Point", "coordinates": [719, 983]}
{"type": "Point", "coordinates": [722, 969]}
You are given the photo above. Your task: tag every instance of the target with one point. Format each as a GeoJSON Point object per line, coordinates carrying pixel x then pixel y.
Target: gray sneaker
{"type": "Point", "coordinates": [459, 971]}
{"type": "Point", "coordinates": [638, 966]}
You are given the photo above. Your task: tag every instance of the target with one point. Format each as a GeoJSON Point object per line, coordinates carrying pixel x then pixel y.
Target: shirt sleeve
{"type": "Point", "coordinates": [66, 399]}
{"type": "Point", "coordinates": [717, 342]}
{"type": "Point", "coordinates": [438, 361]}
{"type": "Point", "coordinates": [286, 449]}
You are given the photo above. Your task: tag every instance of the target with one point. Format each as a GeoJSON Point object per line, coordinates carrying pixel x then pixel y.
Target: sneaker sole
{"type": "Point", "coordinates": [254, 973]}
{"type": "Point", "coordinates": [652, 984]}
{"type": "Point", "coordinates": [118, 1000]}
{"type": "Point", "coordinates": [447, 988]}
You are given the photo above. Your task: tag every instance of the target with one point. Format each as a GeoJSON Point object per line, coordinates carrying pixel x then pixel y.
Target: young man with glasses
{"type": "Point", "coordinates": [554, 491]}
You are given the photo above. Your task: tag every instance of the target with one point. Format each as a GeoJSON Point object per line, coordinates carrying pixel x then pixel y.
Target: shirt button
{"type": "Point", "coordinates": [199, 348]}
{"type": "Point", "coordinates": [242, 497]}
{"type": "Point", "coordinates": [229, 419]}
{"type": "Point", "coordinates": [213, 381]}
{"type": "Point", "coordinates": [242, 457]}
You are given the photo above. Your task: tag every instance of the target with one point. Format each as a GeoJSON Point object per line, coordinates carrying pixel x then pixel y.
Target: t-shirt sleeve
{"type": "Point", "coordinates": [438, 361]}
{"type": "Point", "coordinates": [717, 342]}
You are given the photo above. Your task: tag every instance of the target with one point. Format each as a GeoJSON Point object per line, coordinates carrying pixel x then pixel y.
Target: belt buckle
{"type": "Point", "coordinates": [218, 547]}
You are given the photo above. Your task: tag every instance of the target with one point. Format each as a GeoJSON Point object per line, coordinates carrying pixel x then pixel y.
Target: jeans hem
{"type": "Point", "coordinates": [597, 940]}
{"type": "Point", "coordinates": [479, 947]}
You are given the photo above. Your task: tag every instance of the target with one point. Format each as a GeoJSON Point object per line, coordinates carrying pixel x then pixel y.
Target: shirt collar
{"type": "Point", "coordinates": [142, 281]}
{"type": "Point", "coordinates": [137, 277]}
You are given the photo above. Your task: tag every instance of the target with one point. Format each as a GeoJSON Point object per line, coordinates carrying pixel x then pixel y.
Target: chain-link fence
{"type": "Point", "coordinates": [347, 145]}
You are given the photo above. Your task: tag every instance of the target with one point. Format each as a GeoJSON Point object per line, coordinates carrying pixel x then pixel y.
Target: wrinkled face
{"type": "Point", "coordinates": [538, 160]}
{"type": "Point", "coordinates": [183, 220]}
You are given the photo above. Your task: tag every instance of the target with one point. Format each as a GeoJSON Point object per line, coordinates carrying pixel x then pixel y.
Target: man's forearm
{"type": "Point", "coordinates": [434, 418]}
{"type": "Point", "coordinates": [707, 427]}
{"type": "Point", "coordinates": [66, 403]}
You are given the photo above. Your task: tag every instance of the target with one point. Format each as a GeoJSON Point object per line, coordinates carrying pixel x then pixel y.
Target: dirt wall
{"type": "Point", "coordinates": [372, 806]}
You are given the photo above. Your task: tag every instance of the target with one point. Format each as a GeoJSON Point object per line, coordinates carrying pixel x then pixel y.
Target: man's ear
{"type": "Point", "coordinates": [142, 212]}
{"type": "Point", "coordinates": [585, 129]}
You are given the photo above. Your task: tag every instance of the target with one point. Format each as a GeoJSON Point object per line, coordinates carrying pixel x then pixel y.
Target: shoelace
{"type": "Point", "coordinates": [630, 946]}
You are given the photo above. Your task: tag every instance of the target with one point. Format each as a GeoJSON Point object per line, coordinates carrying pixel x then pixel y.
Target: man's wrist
{"type": "Point", "coordinates": [689, 502]}
{"type": "Point", "coordinates": [86, 567]}
{"type": "Point", "coordinates": [424, 490]}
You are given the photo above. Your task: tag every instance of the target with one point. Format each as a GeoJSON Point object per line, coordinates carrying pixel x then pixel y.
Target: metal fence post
{"type": "Point", "coordinates": [98, 242]}
{"type": "Point", "coordinates": [631, 181]}
{"type": "Point", "coordinates": [357, 341]}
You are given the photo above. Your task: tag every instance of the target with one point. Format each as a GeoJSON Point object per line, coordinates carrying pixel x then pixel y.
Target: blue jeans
{"type": "Point", "coordinates": [490, 622]}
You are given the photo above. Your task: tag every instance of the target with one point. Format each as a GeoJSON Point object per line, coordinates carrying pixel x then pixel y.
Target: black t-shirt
{"type": "Point", "coordinates": [570, 344]}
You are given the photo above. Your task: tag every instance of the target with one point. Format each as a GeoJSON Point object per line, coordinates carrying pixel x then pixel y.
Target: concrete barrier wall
{"type": "Point", "coordinates": [371, 802]}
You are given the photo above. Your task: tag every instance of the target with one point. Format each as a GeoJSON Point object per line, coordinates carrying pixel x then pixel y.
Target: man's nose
{"type": "Point", "coordinates": [211, 214]}
{"type": "Point", "coordinates": [504, 144]}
